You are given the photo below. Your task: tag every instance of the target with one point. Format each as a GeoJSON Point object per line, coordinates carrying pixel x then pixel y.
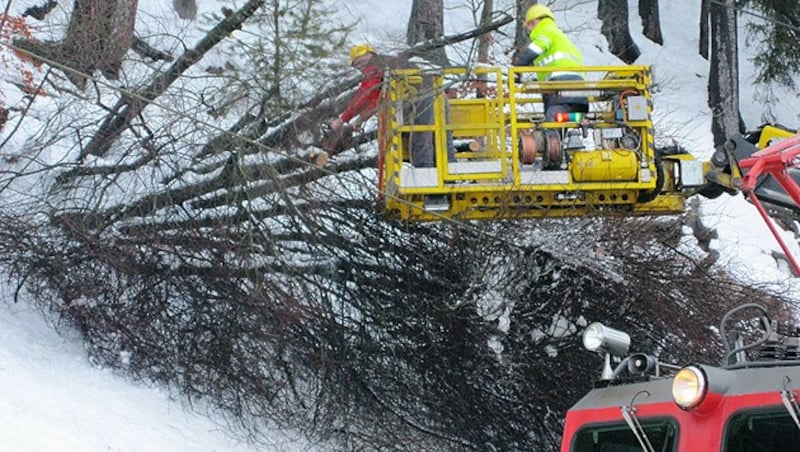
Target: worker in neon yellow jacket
{"type": "Point", "coordinates": [551, 48]}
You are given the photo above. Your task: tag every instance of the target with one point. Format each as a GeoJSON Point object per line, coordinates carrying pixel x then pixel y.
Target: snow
{"type": "Point", "coordinates": [54, 398]}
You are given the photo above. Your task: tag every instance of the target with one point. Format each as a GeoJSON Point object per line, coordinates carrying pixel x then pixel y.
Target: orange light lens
{"type": "Point", "coordinates": [689, 388]}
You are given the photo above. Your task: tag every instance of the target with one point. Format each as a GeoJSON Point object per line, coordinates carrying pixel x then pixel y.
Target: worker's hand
{"type": "Point", "coordinates": [336, 123]}
{"type": "Point", "coordinates": [515, 56]}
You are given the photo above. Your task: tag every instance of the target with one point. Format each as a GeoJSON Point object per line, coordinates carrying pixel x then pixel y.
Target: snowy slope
{"type": "Point", "coordinates": [52, 398]}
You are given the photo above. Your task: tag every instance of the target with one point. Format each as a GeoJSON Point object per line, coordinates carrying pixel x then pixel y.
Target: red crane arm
{"type": "Point", "coordinates": [774, 160]}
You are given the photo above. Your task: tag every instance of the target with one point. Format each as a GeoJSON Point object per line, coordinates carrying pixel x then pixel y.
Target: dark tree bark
{"type": "Point", "coordinates": [186, 9]}
{"type": "Point", "coordinates": [704, 31]}
{"type": "Point", "coordinates": [483, 45]}
{"type": "Point", "coordinates": [144, 49]}
{"type": "Point", "coordinates": [40, 12]}
{"type": "Point", "coordinates": [521, 38]}
{"type": "Point", "coordinates": [100, 32]}
{"type": "Point", "coordinates": [485, 39]}
{"type": "Point", "coordinates": [427, 23]}
{"type": "Point", "coordinates": [651, 20]}
{"type": "Point", "coordinates": [723, 78]}
{"type": "Point", "coordinates": [614, 15]}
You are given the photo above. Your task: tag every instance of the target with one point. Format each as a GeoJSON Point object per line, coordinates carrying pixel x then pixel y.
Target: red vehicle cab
{"type": "Point", "coordinates": [747, 404]}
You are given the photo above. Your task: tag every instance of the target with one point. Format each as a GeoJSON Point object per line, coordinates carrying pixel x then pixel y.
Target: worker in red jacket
{"type": "Point", "coordinates": [365, 103]}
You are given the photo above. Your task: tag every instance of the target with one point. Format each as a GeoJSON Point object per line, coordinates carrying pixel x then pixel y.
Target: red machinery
{"type": "Point", "coordinates": [747, 403]}
{"type": "Point", "coordinates": [776, 160]}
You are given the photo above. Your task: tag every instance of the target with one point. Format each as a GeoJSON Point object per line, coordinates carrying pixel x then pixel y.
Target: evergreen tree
{"type": "Point", "coordinates": [283, 65]}
{"type": "Point", "coordinates": [776, 34]}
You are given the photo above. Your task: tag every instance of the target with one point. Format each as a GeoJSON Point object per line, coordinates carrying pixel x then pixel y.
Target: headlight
{"type": "Point", "coordinates": [598, 337]}
{"type": "Point", "coordinates": [593, 337]}
{"type": "Point", "coordinates": [689, 387]}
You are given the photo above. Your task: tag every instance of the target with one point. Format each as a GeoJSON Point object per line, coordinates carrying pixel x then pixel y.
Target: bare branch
{"type": "Point", "coordinates": [129, 107]}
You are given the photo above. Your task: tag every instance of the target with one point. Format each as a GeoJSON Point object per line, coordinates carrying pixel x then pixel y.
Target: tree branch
{"type": "Point", "coordinates": [294, 180]}
{"type": "Point", "coordinates": [325, 102]}
{"type": "Point", "coordinates": [128, 107]}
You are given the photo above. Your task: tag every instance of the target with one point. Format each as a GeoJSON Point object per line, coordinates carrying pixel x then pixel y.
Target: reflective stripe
{"type": "Point", "coordinates": [536, 49]}
{"type": "Point", "coordinates": [550, 59]}
{"type": "Point", "coordinates": [546, 41]}
{"type": "Point", "coordinates": [562, 73]}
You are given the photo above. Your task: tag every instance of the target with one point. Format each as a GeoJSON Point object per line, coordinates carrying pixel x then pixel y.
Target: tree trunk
{"type": "Point", "coordinates": [128, 108]}
{"type": "Point", "coordinates": [485, 39]}
{"type": "Point", "coordinates": [614, 15]}
{"type": "Point", "coordinates": [277, 47]}
{"type": "Point", "coordinates": [186, 9]}
{"type": "Point", "coordinates": [121, 23]}
{"type": "Point", "coordinates": [483, 45]}
{"type": "Point", "coordinates": [704, 20]}
{"type": "Point", "coordinates": [723, 78]}
{"type": "Point", "coordinates": [427, 23]}
{"type": "Point", "coordinates": [99, 34]}
{"type": "Point", "coordinates": [651, 20]}
{"type": "Point", "coordinates": [521, 38]}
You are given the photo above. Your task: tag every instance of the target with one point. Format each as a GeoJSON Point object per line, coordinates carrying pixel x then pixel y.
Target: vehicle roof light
{"type": "Point", "coordinates": [598, 337]}
{"type": "Point", "coordinates": [689, 387]}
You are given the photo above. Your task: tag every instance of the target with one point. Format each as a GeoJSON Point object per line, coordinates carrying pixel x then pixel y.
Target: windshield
{"type": "Point", "coordinates": [764, 431]}
{"type": "Point", "coordinates": [619, 437]}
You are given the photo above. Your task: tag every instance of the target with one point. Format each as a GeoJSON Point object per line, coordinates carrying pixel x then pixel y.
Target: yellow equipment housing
{"type": "Point", "coordinates": [511, 163]}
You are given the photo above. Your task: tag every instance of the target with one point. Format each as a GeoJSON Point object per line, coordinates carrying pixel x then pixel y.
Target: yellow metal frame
{"type": "Point", "coordinates": [493, 182]}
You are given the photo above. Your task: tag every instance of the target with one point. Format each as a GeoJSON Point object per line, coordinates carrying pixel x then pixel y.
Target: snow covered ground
{"type": "Point", "coordinates": [53, 399]}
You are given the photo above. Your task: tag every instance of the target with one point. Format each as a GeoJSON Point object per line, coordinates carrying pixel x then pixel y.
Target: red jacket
{"type": "Point", "coordinates": [365, 101]}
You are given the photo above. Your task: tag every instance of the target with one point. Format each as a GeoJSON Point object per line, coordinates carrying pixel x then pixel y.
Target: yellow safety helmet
{"type": "Point", "coordinates": [360, 50]}
{"type": "Point", "coordinates": [538, 11]}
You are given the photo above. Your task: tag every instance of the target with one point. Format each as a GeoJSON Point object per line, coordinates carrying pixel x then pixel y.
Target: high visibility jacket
{"type": "Point", "coordinates": [550, 47]}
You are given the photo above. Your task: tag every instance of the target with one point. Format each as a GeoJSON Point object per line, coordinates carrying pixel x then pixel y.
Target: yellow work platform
{"type": "Point", "coordinates": [512, 163]}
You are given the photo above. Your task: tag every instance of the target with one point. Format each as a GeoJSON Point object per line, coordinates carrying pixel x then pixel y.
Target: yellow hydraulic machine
{"type": "Point", "coordinates": [511, 163]}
